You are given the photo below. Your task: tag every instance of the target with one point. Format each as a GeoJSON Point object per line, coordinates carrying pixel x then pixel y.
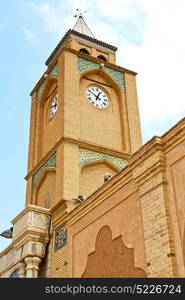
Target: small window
{"type": "Point", "coordinates": [84, 51]}
{"type": "Point", "coordinates": [102, 57]}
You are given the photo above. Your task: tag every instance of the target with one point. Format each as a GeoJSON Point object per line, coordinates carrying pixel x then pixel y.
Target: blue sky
{"type": "Point", "coordinates": [151, 41]}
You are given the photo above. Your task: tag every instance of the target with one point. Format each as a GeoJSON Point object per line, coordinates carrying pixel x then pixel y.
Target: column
{"type": "Point", "coordinates": [32, 266]}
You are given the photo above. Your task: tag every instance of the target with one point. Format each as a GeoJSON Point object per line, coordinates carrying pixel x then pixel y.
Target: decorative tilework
{"type": "Point", "coordinates": [51, 163]}
{"type": "Point", "coordinates": [40, 89]}
{"type": "Point", "coordinates": [88, 155]}
{"type": "Point", "coordinates": [117, 76]}
{"type": "Point", "coordinates": [60, 237]}
{"type": "Point", "coordinates": [84, 64]}
{"type": "Point", "coordinates": [53, 72]}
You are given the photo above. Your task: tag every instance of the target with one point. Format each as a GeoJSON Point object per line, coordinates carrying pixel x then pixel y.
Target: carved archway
{"type": "Point", "coordinates": [111, 258]}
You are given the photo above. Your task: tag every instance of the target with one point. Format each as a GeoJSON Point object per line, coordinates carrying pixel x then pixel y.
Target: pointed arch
{"type": "Point", "coordinates": [100, 161]}
{"type": "Point", "coordinates": [110, 84]}
{"type": "Point", "coordinates": [46, 186]}
{"type": "Point", "coordinates": [49, 88]}
{"type": "Point", "coordinates": [92, 175]}
{"type": "Point", "coordinates": [49, 82]}
{"type": "Point", "coordinates": [105, 75]}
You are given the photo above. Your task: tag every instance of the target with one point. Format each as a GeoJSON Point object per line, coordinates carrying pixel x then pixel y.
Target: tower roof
{"type": "Point", "coordinates": [81, 26]}
{"type": "Point", "coordinates": [73, 33]}
{"type": "Point", "coordinates": [82, 31]}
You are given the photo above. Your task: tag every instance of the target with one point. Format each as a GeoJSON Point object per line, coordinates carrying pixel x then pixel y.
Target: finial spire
{"type": "Point", "coordinates": [79, 13]}
{"type": "Point", "coordinates": [81, 25]}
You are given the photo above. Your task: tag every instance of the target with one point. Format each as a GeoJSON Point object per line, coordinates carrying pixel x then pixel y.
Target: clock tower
{"type": "Point", "coordinates": [84, 120]}
{"type": "Point", "coordinates": [84, 129]}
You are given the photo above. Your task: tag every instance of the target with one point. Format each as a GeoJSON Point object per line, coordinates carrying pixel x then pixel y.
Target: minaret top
{"type": "Point", "coordinates": [81, 25]}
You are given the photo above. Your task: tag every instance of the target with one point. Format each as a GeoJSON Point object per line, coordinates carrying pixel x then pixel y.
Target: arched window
{"type": "Point", "coordinates": [15, 274]}
{"type": "Point", "coordinates": [84, 51]}
{"type": "Point", "coordinates": [102, 57]}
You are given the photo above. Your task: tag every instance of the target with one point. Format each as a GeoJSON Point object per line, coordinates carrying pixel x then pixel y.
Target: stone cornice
{"type": "Point", "coordinates": [6, 250]}
{"type": "Point", "coordinates": [30, 207]}
{"type": "Point", "coordinates": [99, 61]}
{"type": "Point", "coordinates": [30, 235]}
{"type": "Point", "coordinates": [180, 125]}
{"type": "Point", "coordinates": [164, 143]}
{"type": "Point", "coordinates": [152, 170]}
{"type": "Point", "coordinates": [174, 136]}
{"type": "Point", "coordinates": [145, 151]}
{"type": "Point", "coordinates": [96, 147]}
{"type": "Point", "coordinates": [27, 235]}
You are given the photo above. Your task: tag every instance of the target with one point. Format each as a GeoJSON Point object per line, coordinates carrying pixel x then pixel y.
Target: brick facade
{"type": "Point", "coordinates": [140, 210]}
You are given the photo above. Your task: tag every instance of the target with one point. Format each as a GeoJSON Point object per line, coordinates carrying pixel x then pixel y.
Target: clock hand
{"type": "Point", "coordinates": [54, 105]}
{"type": "Point", "coordinates": [92, 93]}
{"type": "Point", "coordinates": [97, 97]}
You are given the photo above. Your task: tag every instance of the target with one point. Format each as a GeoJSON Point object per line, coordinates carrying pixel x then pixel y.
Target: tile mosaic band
{"type": "Point", "coordinates": [84, 64]}
{"type": "Point", "coordinates": [51, 163]}
{"type": "Point", "coordinates": [89, 155]}
{"type": "Point", "coordinates": [53, 72]}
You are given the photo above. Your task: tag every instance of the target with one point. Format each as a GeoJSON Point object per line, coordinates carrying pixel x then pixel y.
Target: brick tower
{"type": "Point", "coordinates": [84, 119]}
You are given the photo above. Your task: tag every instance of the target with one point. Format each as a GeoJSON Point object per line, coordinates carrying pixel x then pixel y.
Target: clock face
{"type": "Point", "coordinates": [97, 97]}
{"type": "Point", "coordinates": [53, 107]}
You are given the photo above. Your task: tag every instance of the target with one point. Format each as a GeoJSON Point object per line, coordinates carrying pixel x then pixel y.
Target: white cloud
{"type": "Point", "coordinates": [51, 17]}
{"type": "Point", "coordinates": [120, 10]}
{"type": "Point", "coordinates": [30, 35]}
{"type": "Point", "coordinates": [107, 32]}
{"type": "Point", "coordinates": [160, 62]}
